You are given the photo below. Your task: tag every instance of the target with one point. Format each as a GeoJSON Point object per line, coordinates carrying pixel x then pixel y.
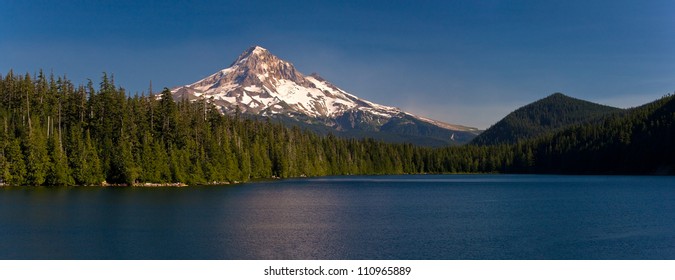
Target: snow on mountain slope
{"type": "Point", "coordinates": [260, 83]}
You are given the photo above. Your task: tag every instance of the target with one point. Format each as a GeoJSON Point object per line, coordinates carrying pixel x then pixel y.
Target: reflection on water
{"type": "Point", "coordinates": [365, 217]}
{"type": "Point", "coordinates": [281, 222]}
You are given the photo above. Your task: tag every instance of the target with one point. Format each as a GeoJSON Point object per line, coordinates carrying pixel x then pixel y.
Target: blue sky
{"type": "Point", "coordinates": [463, 62]}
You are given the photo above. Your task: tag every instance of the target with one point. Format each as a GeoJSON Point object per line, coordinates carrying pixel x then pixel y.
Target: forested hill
{"type": "Point", "coordinates": [546, 115]}
{"type": "Point", "coordinates": [637, 142]}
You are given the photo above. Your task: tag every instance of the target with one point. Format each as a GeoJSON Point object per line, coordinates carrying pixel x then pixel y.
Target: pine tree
{"type": "Point", "coordinates": [16, 170]}
{"type": "Point", "coordinates": [88, 169]}
{"type": "Point", "coordinates": [37, 158]}
{"type": "Point", "coordinates": [59, 174]}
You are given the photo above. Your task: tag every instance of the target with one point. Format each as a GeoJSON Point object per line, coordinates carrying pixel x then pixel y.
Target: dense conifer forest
{"type": "Point", "coordinates": [53, 132]}
{"type": "Point", "coordinates": [554, 112]}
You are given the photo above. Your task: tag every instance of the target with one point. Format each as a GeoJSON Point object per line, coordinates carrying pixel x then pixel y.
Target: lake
{"type": "Point", "coordinates": [360, 217]}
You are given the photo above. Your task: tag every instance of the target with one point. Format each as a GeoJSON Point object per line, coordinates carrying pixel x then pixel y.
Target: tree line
{"type": "Point", "coordinates": [53, 132]}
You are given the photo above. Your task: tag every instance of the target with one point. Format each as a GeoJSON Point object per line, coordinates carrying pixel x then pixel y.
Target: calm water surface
{"type": "Point", "coordinates": [368, 217]}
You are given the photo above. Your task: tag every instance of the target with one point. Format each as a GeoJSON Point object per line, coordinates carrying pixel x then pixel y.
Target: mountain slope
{"type": "Point", "coordinates": [546, 115]}
{"type": "Point", "coordinates": [260, 84]}
{"type": "Point", "coordinates": [637, 142]}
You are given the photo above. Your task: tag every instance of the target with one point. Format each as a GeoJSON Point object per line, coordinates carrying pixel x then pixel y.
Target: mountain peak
{"type": "Point", "coordinates": [256, 52]}
{"type": "Point", "coordinates": [260, 83]}
{"type": "Point", "coordinates": [258, 48]}
{"type": "Point", "coordinates": [558, 94]}
{"type": "Point", "coordinates": [259, 64]}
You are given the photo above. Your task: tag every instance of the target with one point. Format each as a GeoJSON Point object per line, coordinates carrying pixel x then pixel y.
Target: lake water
{"type": "Point", "coordinates": [366, 217]}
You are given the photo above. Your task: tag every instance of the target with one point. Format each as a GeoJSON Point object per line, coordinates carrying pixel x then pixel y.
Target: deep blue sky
{"type": "Point", "coordinates": [465, 62]}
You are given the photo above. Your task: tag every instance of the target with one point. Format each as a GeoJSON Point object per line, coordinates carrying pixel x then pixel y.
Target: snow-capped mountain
{"type": "Point", "coordinates": [259, 83]}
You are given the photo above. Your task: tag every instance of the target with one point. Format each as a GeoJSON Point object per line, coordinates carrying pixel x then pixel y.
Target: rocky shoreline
{"type": "Point", "coordinates": [106, 184]}
{"type": "Point", "coordinates": [160, 185]}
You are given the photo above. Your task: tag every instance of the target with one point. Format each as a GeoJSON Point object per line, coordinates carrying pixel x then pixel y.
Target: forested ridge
{"type": "Point", "coordinates": [549, 114]}
{"type": "Point", "coordinates": [53, 132]}
{"type": "Point", "coordinates": [637, 142]}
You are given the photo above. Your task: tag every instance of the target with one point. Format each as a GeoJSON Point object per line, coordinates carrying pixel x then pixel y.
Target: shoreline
{"type": "Point", "coordinates": [181, 184]}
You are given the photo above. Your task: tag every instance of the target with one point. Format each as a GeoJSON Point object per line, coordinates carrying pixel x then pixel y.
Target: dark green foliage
{"type": "Point", "coordinates": [546, 115]}
{"type": "Point", "coordinates": [639, 142]}
{"type": "Point", "coordinates": [52, 133]}
{"type": "Point", "coordinates": [59, 173]}
{"type": "Point", "coordinates": [37, 160]}
{"type": "Point", "coordinates": [15, 169]}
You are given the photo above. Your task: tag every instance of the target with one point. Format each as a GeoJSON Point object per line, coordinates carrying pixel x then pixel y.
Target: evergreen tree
{"type": "Point", "coordinates": [59, 174]}
{"type": "Point", "coordinates": [16, 169]}
{"type": "Point", "coordinates": [37, 158]}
